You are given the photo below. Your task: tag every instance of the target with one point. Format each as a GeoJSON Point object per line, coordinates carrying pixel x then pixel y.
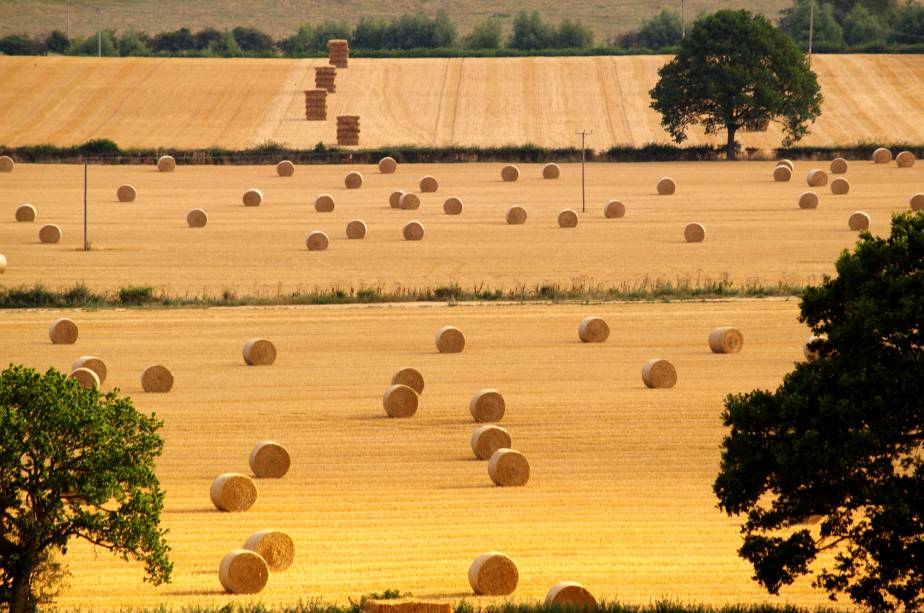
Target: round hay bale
{"type": "Point", "coordinates": [276, 548]}
{"type": "Point", "coordinates": [666, 186]}
{"type": "Point", "coordinates": [85, 378]}
{"type": "Point", "coordinates": [694, 233]}
{"type": "Point", "coordinates": [126, 193]}
{"type": "Point", "coordinates": [659, 373]}
{"type": "Point", "coordinates": [2, 263]}
{"type": "Point", "coordinates": [197, 218]}
{"type": "Point", "coordinates": [253, 197]}
{"type": "Point", "coordinates": [593, 330]}
{"type": "Point", "coordinates": [356, 229]}
{"type": "Point", "coordinates": [452, 206]}
{"type": "Point", "coordinates": [858, 221]}
{"type": "Point", "coordinates": [409, 201]}
{"type": "Point", "coordinates": [6, 163]}
{"type": "Point", "coordinates": [510, 173]}
{"type": "Point", "coordinates": [324, 203]}
{"type": "Point", "coordinates": [551, 171]}
{"type": "Point", "coordinates": [788, 164]}
{"type": "Point", "coordinates": [808, 200]}
{"type": "Point", "coordinates": [413, 231]}
{"type": "Point", "coordinates": [838, 166]}
{"type": "Point", "coordinates": [93, 363]}
{"type": "Point", "coordinates": [429, 184]}
{"type": "Point", "coordinates": [166, 163]}
{"type": "Point", "coordinates": [410, 377]}
{"type": "Point", "coordinates": [243, 572]}
{"type": "Point", "coordinates": [400, 401]}
{"type": "Point", "coordinates": [285, 168]}
{"type": "Point", "coordinates": [259, 352]}
{"type": "Point", "coordinates": [568, 219]}
{"type": "Point", "coordinates": [782, 174]}
{"type": "Point", "coordinates": [269, 460]}
{"type": "Point", "coordinates": [905, 159]}
{"type": "Point", "coordinates": [488, 439]}
{"type": "Point", "coordinates": [157, 379]}
{"type": "Point", "coordinates": [487, 405]}
{"type": "Point", "coordinates": [840, 186]}
{"type": "Point", "coordinates": [450, 339]}
{"type": "Point", "coordinates": [570, 594]}
{"type": "Point", "coordinates": [917, 202]}
{"type": "Point", "coordinates": [394, 199]}
{"type": "Point", "coordinates": [816, 178]}
{"type": "Point", "coordinates": [882, 156]}
{"type": "Point", "coordinates": [493, 574]}
{"type": "Point", "coordinates": [25, 213]}
{"type": "Point", "coordinates": [508, 468]}
{"type": "Point", "coordinates": [49, 234]}
{"type": "Point", "coordinates": [810, 354]}
{"type": "Point", "coordinates": [388, 165]}
{"type": "Point", "coordinates": [614, 209]}
{"type": "Point", "coordinates": [317, 241]}
{"type": "Point", "coordinates": [353, 180]}
{"type": "Point", "coordinates": [233, 492]}
{"type": "Point", "coordinates": [63, 331]}
{"type": "Point", "coordinates": [516, 215]}
{"type": "Point", "coordinates": [726, 340]}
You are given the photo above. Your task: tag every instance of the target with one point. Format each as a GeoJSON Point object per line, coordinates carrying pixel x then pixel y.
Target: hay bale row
{"type": "Point", "coordinates": [614, 209]}
{"type": "Point", "coordinates": [400, 401]}
{"type": "Point", "coordinates": [285, 168]}
{"type": "Point", "coordinates": [269, 460]}
{"type": "Point", "coordinates": [233, 492]}
{"type": "Point", "coordinates": [243, 571]}
{"type": "Point", "coordinates": [486, 406]}
{"type": "Point", "coordinates": [2, 263]}
{"type": "Point", "coordinates": [917, 202]}
{"type": "Point", "coordinates": [324, 78]}
{"type": "Point", "coordinates": [428, 184]}
{"type": "Point", "coordinates": [405, 605]}
{"type": "Point", "coordinates": [838, 166]}
{"type": "Point", "coordinates": [410, 377]}
{"type": "Point", "coordinates": [63, 331]}
{"type": "Point", "coordinates": [726, 340]}
{"type": "Point", "coordinates": [487, 439]}
{"type": "Point", "coordinates": [666, 186]}
{"type": "Point", "coordinates": [493, 574]}
{"type": "Point", "coordinates": [809, 350]}
{"type": "Point", "coordinates": [882, 156]}
{"type": "Point", "coordinates": [694, 233]}
{"type": "Point", "coordinates": [157, 379]}
{"type": "Point", "coordinates": [510, 174]}
{"type": "Point", "coordinates": [840, 186]}
{"type": "Point", "coordinates": [568, 219]}
{"type": "Point", "coordinates": [816, 178]}
{"type": "Point", "coordinates": [276, 548]}
{"type": "Point", "coordinates": [338, 52]}
{"type": "Point", "coordinates": [197, 218]}
{"type": "Point", "coordinates": [252, 197]}
{"type": "Point", "coordinates": [166, 163]}
{"type": "Point", "coordinates": [85, 378]}
{"type": "Point", "coordinates": [508, 468]}
{"type": "Point", "coordinates": [658, 373]}
{"type": "Point", "coordinates": [353, 180]}
{"type": "Point", "coordinates": [788, 164]}
{"type": "Point", "coordinates": [49, 234]}
{"type": "Point", "coordinates": [808, 200]}
{"type": "Point", "coordinates": [905, 159]}
{"type": "Point", "coordinates": [516, 215]}
{"type": "Point", "coordinates": [259, 352]}
{"type": "Point", "coordinates": [356, 229]}
{"type": "Point", "coordinates": [394, 199]}
{"type": "Point", "coordinates": [25, 213]}
{"type": "Point", "coordinates": [450, 339]}
{"type": "Point", "coordinates": [126, 193]}
{"type": "Point", "coordinates": [452, 206]}
{"type": "Point", "coordinates": [324, 203]}
{"type": "Point", "coordinates": [348, 130]}
{"type": "Point", "coordinates": [782, 173]}
{"type": "Point", "coordinates": [317, 240]}
{"type": "Point", "coordinates": [593, 330]}
{"type": "Point", "coordinates": [92, 363]}
{"type": "Point", "coordinates": [858, 220]}
{"type": "Point", "coordinates": [6, 163]}
{"type": "Point", "coordinates": [551, 171]}
{"type": "Point", "coordinates": [570, 595]}
{"type": "Point", "coordinates": [388, 165]}
{"type": "Point", "coordinates": [413, 231]}
{"type": "Point", "coordinates": [408, 201]}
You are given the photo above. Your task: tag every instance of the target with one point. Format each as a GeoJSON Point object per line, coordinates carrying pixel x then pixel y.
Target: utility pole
{"type": "Point", "coordinates": [584, 134]}
{"type": "Point", "coordinates": [99, 32]}
{"type": "Point", "coordinates": [683, 22]}
{"type": "Point", "coordinates": [86, 242]}
{"type": "Point", "coordinates": [811, 30]}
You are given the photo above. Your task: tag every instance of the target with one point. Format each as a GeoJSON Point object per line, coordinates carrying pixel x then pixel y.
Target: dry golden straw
{"type": "Point", "coordinates": [25, 212]}
{"type": "Point", "coordinates": [486, 406]}
{"type": "Point", "coordinates": [882, 156]}
{"type": "Point", "coordinates": [858, 221]}
{"type": "Point", "coordinates": [493, 574]}
{"type": "Point", "coordinates": [285, 168]}
{"type": "Point", "coordinates": [259, 352]}
{"type": "Point", "coordinates": [6, 163]}
{"type": "Point", "coordinates": [488, 439]}
{"type": "Point", "coordinates": [570, 594]}
{"type": "Point", "coordinates": [197, 218]}
{"type": "Point", "coordinates": [905, 159]}
{"type": "Point", "coordinates": [413, 231]}
{"type": "Point", "coordinates": [275, 547]}
{"type": "Point", "coordinates": [510, 173]}
{"type": "Point", "coordinates": [317, 241]}
{"type": "Point", "coordinates": [428, 184]}
{"type": "Point", "coordinates": [49, 234]}
{"type": "Point", "coordinates": [508, 468]}
{"type": "Point", "coordinates": [593, 330]}
{"type": "Point", "coordinates": [840, 186]}
{"type": "Point", "coordinates": [269, 460]}
{"type": "Point", "coordinates": [166, 163]}
{"type": "Point", "coordinates": [85, 378]}
{"type": "Point", "coordinates": [614, 209]}
{"type": "Point", "coordinates": [253, 197]}
{"type": "Point", "coordinates": [726, 340]}
{"type": "Point", "coordinates": [808, 200]}
{"type": "Point", "coordinates": [838, 166]}
{"type": "Point", "coordinates": [694, 233]}
{"type": "Point", "coordinates": [516, 215]}
{"type": "Point", "coordinates": [450, 339]}
{"type": "Point", "coordinates": [126, 193]}
{"type": "Point", "coordinates": [816, 178]}
{"type": "Point", "coordinates": [353, 180]}
{"type": "Point", "coordinates": [659, 373]}
{"type": "Point", "coordinates": [452, 206]}
{"type": "Point", "coordinates": [917, 202]}
{"type": "Point", "coordinates": [63, 331]}
{"type": "Point", "coordinates": [243, 572]}
{"type": "Point", "coordinates": [782, 174]}
{"type": "Point", "coordinates": [356, 229]}
{"type": "Point", "coordinates": [157, 379]}
{"type": "Point", "coordinates": [567, 219]}
{"type": "Point", "coordinates": [388, 165]}
{"type": "Point", "coordinates": [233, 492]}
{"type": "Point", "coordinates": [324, 203]}
{"type": "Point", "coordinates": [400, 401]}
{"type": "Point", "coordinates": [409, 201]}
{"type": "Point", "coordinates": [394, 199]}
{"type": "Point", "coordinates": [666, 186]}
{"type": "Point", "coordinates": [551, 171]}
{"type": "Point", "coordinates": [93, 363]}
{"type": "Point", "coordinates": [410, 377]}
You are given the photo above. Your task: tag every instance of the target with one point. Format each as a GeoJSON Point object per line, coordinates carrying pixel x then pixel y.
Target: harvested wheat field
{"type": "Point", "coordinates": [619, 496]}
{"type": "Point", "coordinates": [192, 103]}
{"type": "Point", "coordinates": [757, 234]}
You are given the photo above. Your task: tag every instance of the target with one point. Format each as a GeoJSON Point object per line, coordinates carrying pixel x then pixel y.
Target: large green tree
{"type": "Point", "coordinates": [841, 441]}
{"type": "Point", "coordinates": [74, 464]}
{"type": "Point", "coordinates": [735, 69]}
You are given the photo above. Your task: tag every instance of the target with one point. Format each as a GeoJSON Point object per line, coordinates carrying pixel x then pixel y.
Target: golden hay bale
{"type": "Point", "coordinates": [659, 373]}
{"type": "Point", "coordinates": [816, 178]}
{"type": "Point", "coordinates": [63, 331]}
{"type": "Point", "coordinates": [406, 605]}
{"type": "Point", "coordinates": [570, 594]}
{"type": "Point", "coordinates": [510, 173]}
{"type": "Point", "coordinates": [85, 378]}
{"type": "Point", "coordinates": [726, 340]}
{"type": "Point", "coordinates": [166, 163]}
{"type": "Point", "coordinates": [452, 206]}
{"type": "Point", "coordinates": [243, 572]}
{"type": "Point", "coordinates": [428, 184]}
{"type": "Point", "coordinates": [317, 241]}
{"type": "Point", "coordinates": [269, 460]}
{"type": "Point", "coordinates": [285, 168]}
{"type": "Point", "coordinates": [593, 330]}
{"type": "Point", "coordinates": [2, 263]}
{"type": "Point", "coordinates": [356, 229]}
{"type": "Point", "coordinates": [49, 234]}
{"type": "Point", "coordinates": [6, 163]}
{"type": "Point", "coordinates": [410, 377]}
{"type": "Point", "coordinates": [782, 174]}
{"type": "Point", "coordinates": [413, 231]}
{"type": "Point", "coordinates": [25, 212]}
{"type": "Point", "coordinates": [400, 401]}
{"type": "Point", "coordinates": [840, 186]}
{"type": "Point", "coordinates": [157, 379]}
{"type": "Point", "coordinates": [450, 339]}
{"type": "Point", "coordinates": [233, 492]}
{"type": "Point", "coordinates": [551, 171]}
{"type": "Point", "coordinates": [487, 405]}
{"type": "Point", "coordinates": [917, 202]}
{"type": "Point", "coordinates": [388, 165]}
{"type": "Point", "coordinates": [409, 201]}
{"type": "Point", "coordinates": [276, 548]}
{"type": "Point", "coordinates": [882, 156]}
{"type": "Point", "coordinates": [788, 164]}
{"type": "Point", "coordinates": [858, 221]}
{"type": "Point", "coordinates": [93, 363]}
{"type": "Point", "coordinates": [838, 166]}
{"type": "Point", "coordinates": [259, 352]}
{"type": "Point", "coordinates": [508, 468]}
{"type": "Point", "coordinates": [666, 186]}
{"type": "Point", "coordinates": [493, 574]}
{"type": "Point", "coordinates": [905, 159]}
{"type": "Point", "coordinates": [808, 200]}
{"type": "Point", "coordinates": [197, 218]}
{"type": "Point", "coordinates": [324, 203]}
{"type": "Point", "coordinates": [394, 199]}
{"type": "Point", "coordinates": [614, 209]}
{"type": "Point", "coordinates": [516, 215]}
{"type": "Point", "coordinates": [694, 233]}
{"type": "Point", "coordinates": [126, 193]}
{"type": "Point", "coordinates": [253, 197]}
{"type": "Point", "coordinates": [353, 180]}
{"type": "Point", "coordinates": [810, 354]}
{"type": "Point", "coordinates": [488, 439]}
{"type": "Point", "coordinates": [568, 219]}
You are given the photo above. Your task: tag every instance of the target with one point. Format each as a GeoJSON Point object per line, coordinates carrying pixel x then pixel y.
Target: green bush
{"type": "Point", "coordinates": [662, 30]}
{"type": "Point", "coordinates": [861, 27]}
{"type": "Point", "coordinates": [487, 34]}
{"type": "Point", "coordinates": [908, 25]}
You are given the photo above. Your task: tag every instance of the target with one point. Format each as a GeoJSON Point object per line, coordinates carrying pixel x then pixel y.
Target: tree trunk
{"type": "Point", "coordinates": [731, 128]}
{"type": "Point", "coordinates": [22, 591]}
